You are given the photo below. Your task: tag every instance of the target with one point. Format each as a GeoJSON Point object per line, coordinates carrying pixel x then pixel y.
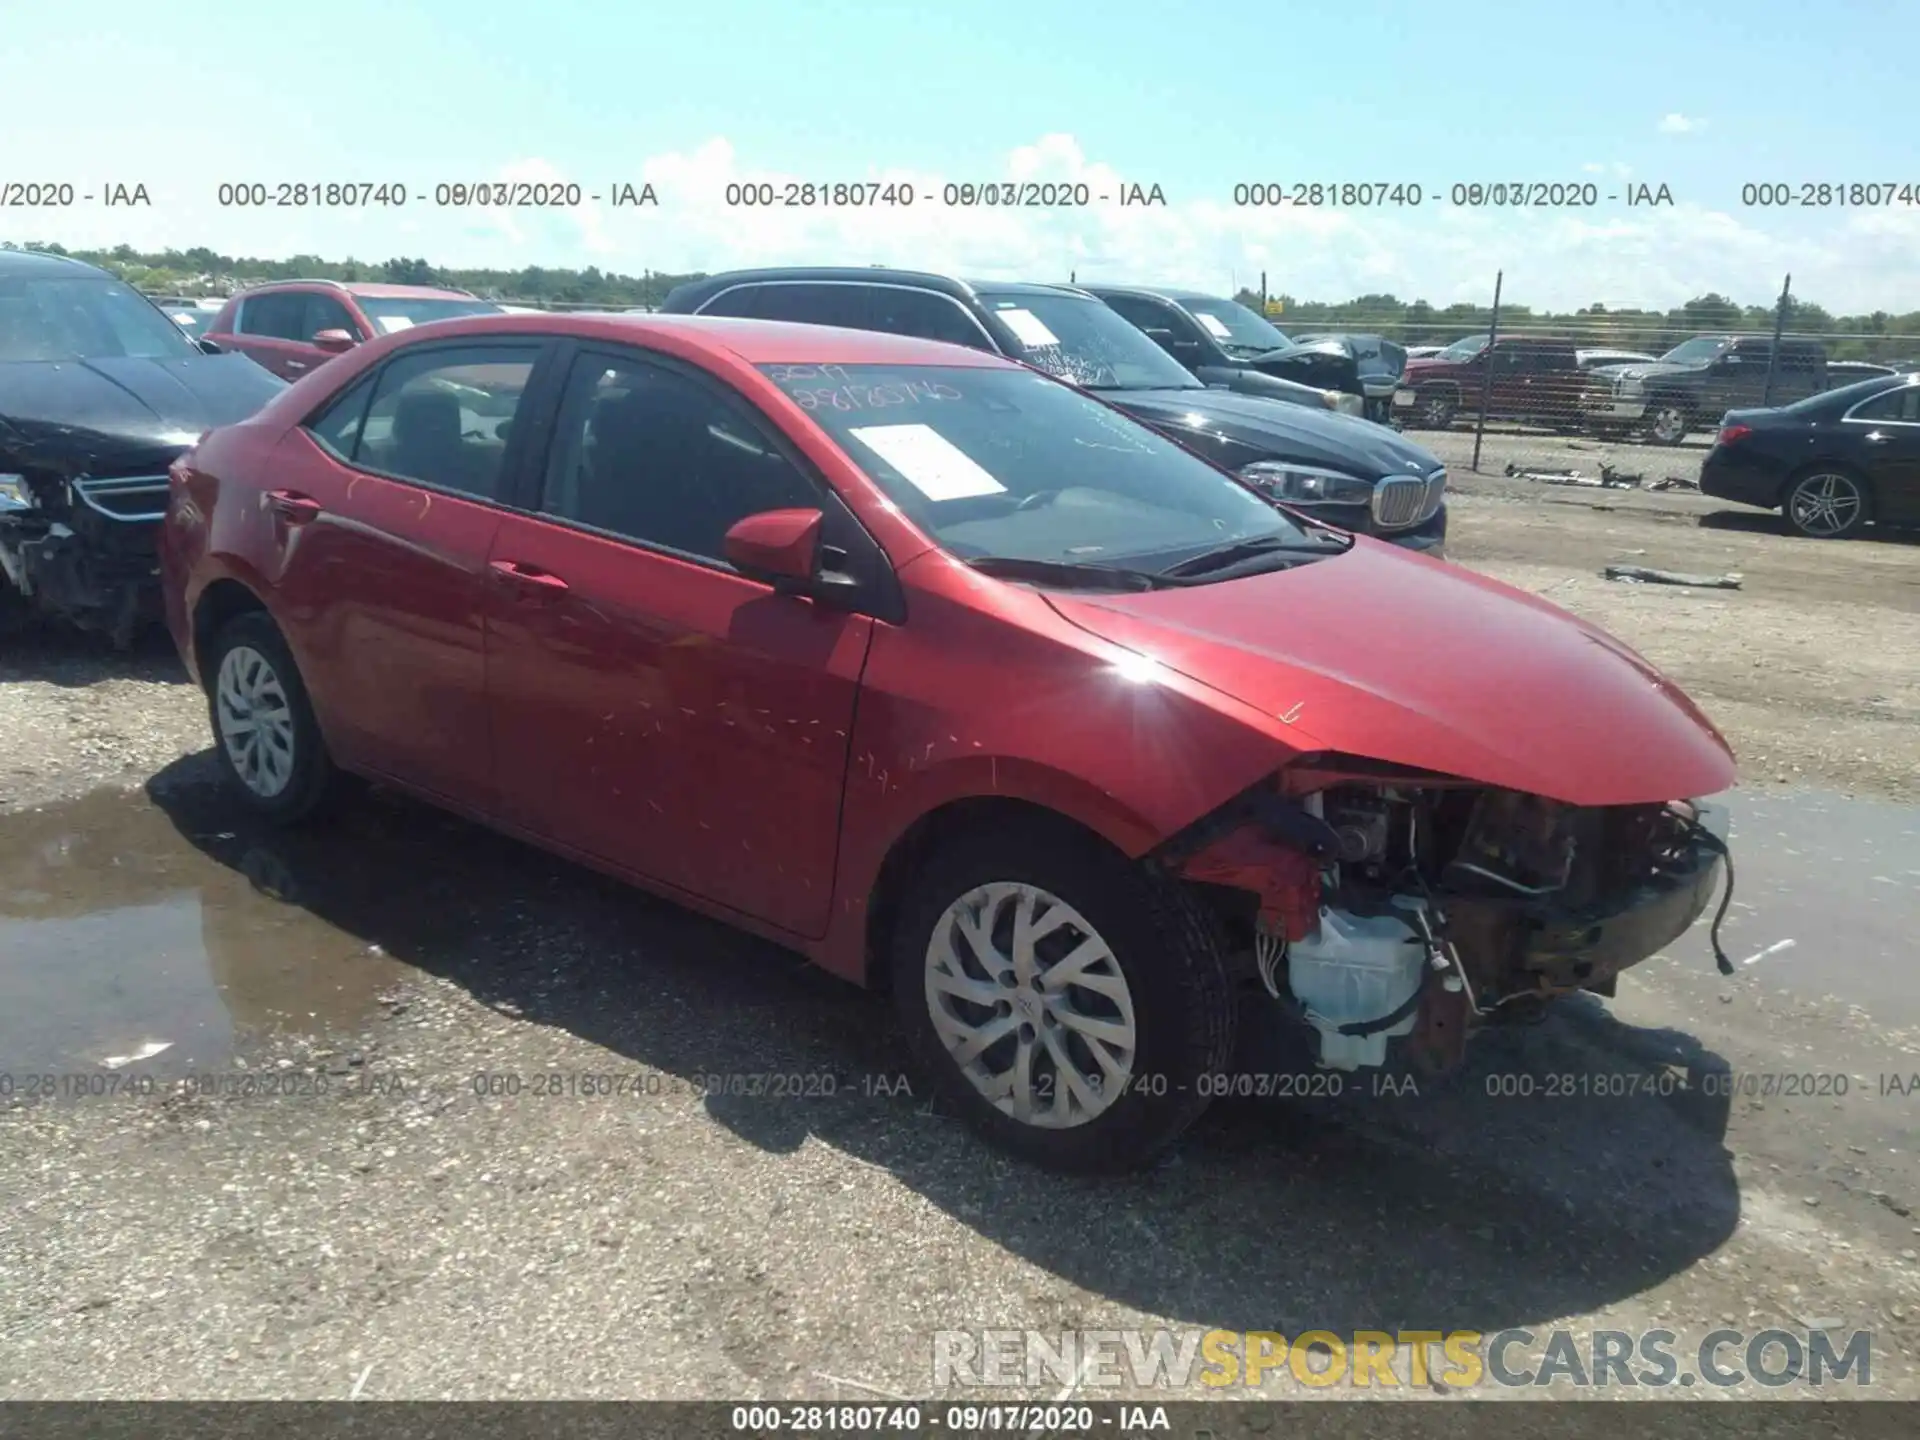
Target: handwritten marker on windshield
{"type": "Point", "coordinates": [1772, 949]}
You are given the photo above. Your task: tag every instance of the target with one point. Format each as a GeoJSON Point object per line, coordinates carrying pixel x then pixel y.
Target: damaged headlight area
{"type": "Point", "coordinates": [1399, 912]}
{"type": "Point", "coordinates": [83, 547]}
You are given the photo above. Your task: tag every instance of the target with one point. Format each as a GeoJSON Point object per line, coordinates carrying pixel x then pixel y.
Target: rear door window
{"type": "Point", "coordinates": [814, 304]}
{"type": "Point", "coordinates": [442, 416]}
{"type": "Point", "coordinates": [275, 316]}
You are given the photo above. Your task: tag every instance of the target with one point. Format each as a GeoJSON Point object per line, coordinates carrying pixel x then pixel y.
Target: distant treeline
{"type": "Point", "coordinates": [1881, 335]}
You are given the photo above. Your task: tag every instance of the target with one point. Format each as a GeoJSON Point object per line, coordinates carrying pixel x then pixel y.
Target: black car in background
{"type": "Point", "coordinates": [99, 392]}
{"type": "Point", "coordinates": [1221, 342]}
{"type": "Point", "coordinates": [1339, 468]}
{"type": "Point", "coordinates": [1830, 463]}
{"type": "Point", "coordinates": [1380, 362]}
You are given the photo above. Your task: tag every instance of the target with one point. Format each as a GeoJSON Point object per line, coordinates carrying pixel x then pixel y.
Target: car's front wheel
{"type": "Point", "coordinates": [1071, 1005]}
{"type": "Point", "coordinates": [1668, 423]}
{"type": "Point", "coordinates": [1828, 503]}
{"type": "Point", "coordinates": [266, 740]}
{"type": "Point", "coordinates": [1436, 409]}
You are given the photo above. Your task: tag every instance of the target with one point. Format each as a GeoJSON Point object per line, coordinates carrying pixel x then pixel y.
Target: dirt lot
{"type": "Point", "coordinates": [385, 1225]}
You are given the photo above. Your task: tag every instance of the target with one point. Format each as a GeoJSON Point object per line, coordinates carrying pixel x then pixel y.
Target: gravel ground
{"type": "Point", "coordinates": [408, 1235]}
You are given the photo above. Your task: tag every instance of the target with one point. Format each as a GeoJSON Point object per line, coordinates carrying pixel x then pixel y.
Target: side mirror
{"type": "Point", "coordinates": [334, 342]}
{"type": "Point", "coordinates": [208, 347]}
{"type": "Point", "coordinates": [779, 547]}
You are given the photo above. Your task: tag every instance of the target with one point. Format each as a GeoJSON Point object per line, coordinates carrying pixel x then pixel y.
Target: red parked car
{"type": "Point", "coordinates": [293, 326]}
{"type": "Point", "coordinates": [950, 676]}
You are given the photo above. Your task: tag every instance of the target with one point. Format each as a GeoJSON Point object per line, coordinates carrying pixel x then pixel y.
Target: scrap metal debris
{"type": "Point", "coordinates": [1641, 575]}
{"type": "Point", "coordinates": [1610, 479]}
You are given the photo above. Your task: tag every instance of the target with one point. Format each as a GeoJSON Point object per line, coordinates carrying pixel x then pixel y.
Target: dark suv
{"type": "Point", "coordinates": [1530, 378]}
{"type": "Point", "coordinates": [1222, 342]}
{"type": "Point", "coordinates": [1695, 383]}
{"type": "Point", "coordinates": [1346, 471]}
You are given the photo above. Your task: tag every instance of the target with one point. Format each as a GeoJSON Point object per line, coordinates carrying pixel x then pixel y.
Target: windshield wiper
{"type": "Point", "coordinates": [1064, 572]}
{"type": "Point", "coordinates": [1234, 551]}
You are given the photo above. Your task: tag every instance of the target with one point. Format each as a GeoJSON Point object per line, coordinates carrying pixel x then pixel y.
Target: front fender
{"type": "Point", "coordinates": [960, 707]}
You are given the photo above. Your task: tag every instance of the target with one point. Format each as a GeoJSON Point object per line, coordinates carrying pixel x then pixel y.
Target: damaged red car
{"type": "Point", "coordinates": [951, 677]}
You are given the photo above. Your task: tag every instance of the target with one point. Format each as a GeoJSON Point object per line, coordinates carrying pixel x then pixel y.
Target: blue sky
{"type": "Point", "coordinates": [695, 96]}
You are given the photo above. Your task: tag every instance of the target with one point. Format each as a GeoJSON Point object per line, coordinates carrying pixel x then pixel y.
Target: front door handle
{"type": "Point", "coordinates": [292, 506]}
{"type": "Point", "coordinates": [529, 575]}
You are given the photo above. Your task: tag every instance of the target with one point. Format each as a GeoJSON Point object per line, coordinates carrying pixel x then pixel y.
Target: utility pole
{"type": "Point", "coordinates": [1779, 326]}
{"type": "Point", "coordinates": [1486, 370]}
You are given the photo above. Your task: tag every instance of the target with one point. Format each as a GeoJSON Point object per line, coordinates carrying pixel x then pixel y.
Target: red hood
{"type": "Point", "coordinates": [1414, 661]}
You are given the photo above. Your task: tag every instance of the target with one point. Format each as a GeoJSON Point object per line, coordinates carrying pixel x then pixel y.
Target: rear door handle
{"type": "Point", "coordinates": [529, 575]}
{"type": "Point", "coordinates": [293, 506]}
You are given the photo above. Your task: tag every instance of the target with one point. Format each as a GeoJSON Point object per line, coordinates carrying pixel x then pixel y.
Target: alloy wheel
{"type": "Point", "coordinates": [255, 721]}
{"type": "Point", "coordinates": [1825, 505]}
{"type": "Point", "coordinates": [1031, 1005]}
{"type": "Point", "coordinates": [1669, 425]}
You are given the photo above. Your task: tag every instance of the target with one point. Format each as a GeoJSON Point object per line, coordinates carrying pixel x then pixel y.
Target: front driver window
{"type": "Point", "coordinates": [650, 454]}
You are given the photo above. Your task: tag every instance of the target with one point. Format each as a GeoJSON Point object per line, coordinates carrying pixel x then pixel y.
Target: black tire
{"type": "Point", "coordinates": [1436, 409]}
{"type": "Point", "coordinates": [1668, 422]}
{"type": "Point", "coordinates": [310, 776]}
{"type": "Point", "coordinates": [1827, 502]}
{"type": "Point", "coordinates": [1164, 944]}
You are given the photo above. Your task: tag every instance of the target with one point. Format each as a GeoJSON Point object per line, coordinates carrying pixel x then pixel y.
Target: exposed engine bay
{"type": "Point", "coordinates": [82, 548]}
{"type": "Point", "coordinates": [1400, 917]}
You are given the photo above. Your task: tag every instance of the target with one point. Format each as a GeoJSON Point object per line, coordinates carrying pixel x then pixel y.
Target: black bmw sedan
{"type": "Point", "coordinates": [1831, 464]}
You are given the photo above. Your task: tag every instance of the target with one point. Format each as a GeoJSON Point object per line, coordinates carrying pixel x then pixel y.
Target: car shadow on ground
{"type": "Point", "coordinates": [1556, 1175]}
{"type": "Point", "coordinates": [1757, 522]}
{"type": "Point", "coordinates": [60, 655]}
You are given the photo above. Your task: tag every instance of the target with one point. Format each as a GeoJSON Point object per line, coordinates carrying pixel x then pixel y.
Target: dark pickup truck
{"type": "Point", "coordinates": [1691, 386]}
{"type": "Point", "coordinates": [1531, 378]}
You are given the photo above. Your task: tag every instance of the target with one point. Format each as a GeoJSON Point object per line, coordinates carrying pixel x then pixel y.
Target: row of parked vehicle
{"type": "Point", "coordinates": [118, 393]}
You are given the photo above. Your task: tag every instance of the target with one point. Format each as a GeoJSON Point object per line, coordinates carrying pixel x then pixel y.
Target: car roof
{"type": "Point", "coordinates": [1158, 292]}
{"type": "Point", "coordinates": [707, 287]}
{"type": "Point", "coordinates": [371, 290]}
{"type": "Point", "coordinates": [758, 342]}
{"type": "Point", "coordinates": [38, 262]}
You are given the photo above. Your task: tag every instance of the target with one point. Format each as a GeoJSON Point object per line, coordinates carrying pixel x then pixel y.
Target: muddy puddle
{"type": "Point", "coordinates": [129, 923]}
{"type": "Point", "coordinates": [1826, 898]}
{"type": "Point", "coordinates": [119, 935]}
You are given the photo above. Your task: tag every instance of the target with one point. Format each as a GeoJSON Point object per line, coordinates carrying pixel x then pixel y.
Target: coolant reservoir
{"type": "Point", "coordinates": [1356, 968]}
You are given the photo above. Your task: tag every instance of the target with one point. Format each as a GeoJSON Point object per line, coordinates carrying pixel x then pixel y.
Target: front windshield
{"type": "Point", "coordinates": [1235, 326]}
{"type": "Point", "coordinates": [390, 314]}
{"type": "Point", "coordinates": [84, 317]}
{"type": "Point", "coordinates": [1081, 340]}
{"type": "Point", "coordinates": [1465, 349]}
{"type": "Point", "coordinates": [1005, 463]}
{"type": "Point", "coordinates": [1693, 352]}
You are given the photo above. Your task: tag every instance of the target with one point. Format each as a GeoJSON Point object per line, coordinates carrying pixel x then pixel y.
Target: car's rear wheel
{"type": "Point", "coordinates": [1436, 409]}
{"type": "Point", "coordinates": [1070, 1005]}
{"type": "Point", "coordinates": [1668, 423]}
{"type": "Point", "coordinates": [1828, 503]}
{"type": "Point", "coordinates": [266, 740]}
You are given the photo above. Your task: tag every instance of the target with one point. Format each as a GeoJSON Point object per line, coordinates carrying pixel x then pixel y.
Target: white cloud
{"type": "Point", "coordinates": [1674, 123]}
{"type": "Point", "coordinates": [1612, 253]}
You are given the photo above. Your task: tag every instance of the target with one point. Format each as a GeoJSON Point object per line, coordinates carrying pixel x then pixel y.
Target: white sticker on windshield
{"type": "Point", "coordinates": [1028, 326]}
{"type": "Point", "coordinates": [391, 324]}
{"type": "Point", "coordinates": [927, 460]}
{"type": "Point", "coordinates": [1214, 326]}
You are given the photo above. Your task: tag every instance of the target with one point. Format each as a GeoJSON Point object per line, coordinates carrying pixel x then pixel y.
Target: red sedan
{"type": "Point", "coordinates": [951, 677]}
